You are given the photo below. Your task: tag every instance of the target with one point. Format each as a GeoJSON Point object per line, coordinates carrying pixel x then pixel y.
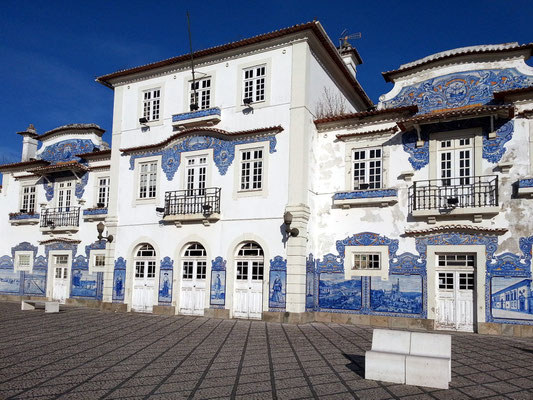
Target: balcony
{"type": "Point", "coordinates": [24, 218]}
{"type": "Point", "coordinates": [95, 214]}
{"type": "Point", "coordinates": [66, 219]}
{"type": "Point", "coordinates": [454, 197]}
{"type": "Point", "coordinates": [194, 205]}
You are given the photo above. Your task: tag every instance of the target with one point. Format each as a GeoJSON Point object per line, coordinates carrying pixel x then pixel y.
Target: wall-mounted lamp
{"type": "Point", "coordinates": [207, 210]}
{"type": "Point", "coordinates": [160, 210]}
{"type": "Point", "coordinates": [247, 101]}
{"type": "Point", "coordinates": [100, 228]}
{"type": "Point", "coordinates": [287, 219]}
{"type": "Point", "coordinates": [143, 120]}
{"type": "Point", "coordinates": [194, 107]}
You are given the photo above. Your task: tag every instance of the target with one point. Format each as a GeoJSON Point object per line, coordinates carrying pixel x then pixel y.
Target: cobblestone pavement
{"type": "Point", "coordinates": [86, 354]}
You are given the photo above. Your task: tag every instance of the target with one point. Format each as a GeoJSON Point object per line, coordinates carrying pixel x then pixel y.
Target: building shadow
{"type": "Point", "coordinates": [357, 364]}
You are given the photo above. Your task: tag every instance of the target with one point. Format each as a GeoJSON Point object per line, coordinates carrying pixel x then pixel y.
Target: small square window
{"type": "Point", "coordinates": [366, 261]}
{"type": "Point", "coordinates": [99, 260]}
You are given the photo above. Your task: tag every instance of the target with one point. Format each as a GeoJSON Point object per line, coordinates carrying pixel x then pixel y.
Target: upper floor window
{"type": "Point", "coordinates": [147, 180]}
{"type": "Point", "coordinates": [103, 192]}
{"type": "Point", "coordinates": [255, 83]}
{"type": "Point", "coordinates": [65, 194]}
{"type": "Point", "coordinates": [367, 168]}
{"type": "Point", "coordinates": [455, 161]}
{"type": "Point", "coordinates": [200, 94]}
{"type": "Point", "coordinates": [27, 201]}
{"type": "Point", "coordinates": [151, 104]}
{"type": "Point", "coordinates": [251, 169]}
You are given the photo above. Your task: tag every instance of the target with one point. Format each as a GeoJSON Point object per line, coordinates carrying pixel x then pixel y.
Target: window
{"type": "Point", "coordinates": [446, 280]}
{"type": "Point", "coordinates": [147, 180]}
{"type": "Point", "coordinates": [250, 259]}
{"type": "Point", "coordinates": [455, 161]}
{"type": "Point", "coordinates": [103, 192]}
{"type": "Point", "coordinates": [99, 260]}
{"type": "Point", "coordinates": [254, 83]}
{"type": "Point", "coordinates": [366, 261]}
{"type": "Point", "coordinates": [203, 93]}
{"type": "Point", "coordinates": [151, 104]}
{"type": "Point", "coordinates": [64, 195]}
{"type": "Point", "coordinates": [251, 169]}
{"type": "Point", "coordinates": [145, 262]}
{"type": "Point", "coordinates": [61, 260]}
{"type": "Point", "coordinates": [367, 171]}
{"type": "Point", "coordinates": [23, 261]}
{"type": "Point", "coordinates": [27, 203]}
{"type": "Point", "coordinates": [195, 259]}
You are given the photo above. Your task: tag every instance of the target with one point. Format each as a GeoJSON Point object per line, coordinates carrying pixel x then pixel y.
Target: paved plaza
{"type": "Point", "coordinates": [86, 354]}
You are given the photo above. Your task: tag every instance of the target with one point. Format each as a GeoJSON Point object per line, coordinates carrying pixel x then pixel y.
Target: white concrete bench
{"type": "Point", "coordinates": [49, 306]}
{"type": "Point", "coordinates": [422, 359]}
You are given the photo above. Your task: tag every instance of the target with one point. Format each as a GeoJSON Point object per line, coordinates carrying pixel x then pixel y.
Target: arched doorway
{"type": "Point", "coordinates": [249, 273]}
{"type": "Point", "coordinates": [144, 278]}
{"type": "Point", "coordinates": [193, 279]}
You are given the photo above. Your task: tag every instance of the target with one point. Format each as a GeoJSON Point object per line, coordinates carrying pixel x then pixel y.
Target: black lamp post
{"type": "Point", "coordinates": [100, 228]}
{"type": "Point", "coordinates": [287, 219]}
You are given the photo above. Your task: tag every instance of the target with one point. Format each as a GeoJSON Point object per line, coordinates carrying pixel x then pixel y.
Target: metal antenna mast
{"type": "Point", "coordinates": [343, 40]}
{"type": "Point", "coordinates": [194, 105]}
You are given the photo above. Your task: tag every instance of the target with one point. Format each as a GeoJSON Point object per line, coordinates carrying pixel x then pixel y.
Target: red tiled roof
{"type": "Point", "coordinates": [59, 239]}
{"type": "Point", "coordinates": [184, 132]}
{"type": "Point", "coordinates": [69, 165]}
{"type": "Point", "coordinates": [313, 26]}
{"type": "Point", "coordinates": [392, 129]}
{"type": "Point", "coordinates": [456, 53]}
{"type": "Point", "coordinates": [364, 114]}
{"type": "Point", "coordinates": [456, 228]}
{"type": "Point", "coordinates": [95, 154]}
{"type": "Point", "coordinates": [72, 127]}
{"type": "Point", "coordinates": [24, 164]}
{"type": "Point", "coordinates": [450, 114]}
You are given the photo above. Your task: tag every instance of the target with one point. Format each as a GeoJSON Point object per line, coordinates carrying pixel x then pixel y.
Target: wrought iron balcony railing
{"type": "Point", "coordinates": [450, 193]}
{"type": "Point", "coordinates": [60, 217]}
{"type": "Point", "coordinates": [193, 201]}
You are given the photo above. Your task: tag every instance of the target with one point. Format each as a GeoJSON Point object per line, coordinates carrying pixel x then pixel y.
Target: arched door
{"type": "Point", "coordinates": [193, 280]}
{"type": "Point", "coordinates": [144, 279]}
{"type": "Point", "coordinates": [249, 271]}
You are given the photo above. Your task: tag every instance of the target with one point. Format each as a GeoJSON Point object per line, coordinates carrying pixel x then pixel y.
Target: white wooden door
{"type": "Point", "coordinates": [248, 302]}
{"type": "Point", "coordinates": [456, 170]}
{"type": "Point", "coordinates": [193, 286]}
{"type": "Point", "coordinates": [143, 286]}
{"type": "Point", "coordinates": [64, 196]}
{"type": "Point", "coordinates": [196, 173]}
{"type": "Point", "coordinates": [456, 292]}
{"type": "Point", "coordinates": [61, 281]}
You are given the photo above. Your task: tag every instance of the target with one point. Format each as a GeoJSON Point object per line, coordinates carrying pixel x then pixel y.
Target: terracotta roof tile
{"type": "Point", "coordinates": [60, 167]}
{"type": "Point", "coordinates": [59, 239]}
{"type": "Point", "coordinates": [455, 228]}
{"type": "Point", "coordinates": [364, 114]}
{"type": "Point", "coordinates": [24, 164]}
{"type": "Point", "coordinates": [391, 129]}
{"type": "Point", "coordinates": [70, 127]}
{"type": "Point", "coordinates": [95, 154]}
{"type": "Point", "coordinates": [184, 132]}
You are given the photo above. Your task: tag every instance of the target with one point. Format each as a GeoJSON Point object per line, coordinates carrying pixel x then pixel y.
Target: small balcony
{"type": "Point", "coordinates": [24, 218]}
{"type": "Point", "coordinates": [192, 205]}
{"type": "Point", "coordinates": [454, 197]}
{"type": "Point", "coordinates": [206, 117]}
{"type": "Point", "coordinates": [65, 219]}
{"type": "Point", "coordinates": [98, 213]}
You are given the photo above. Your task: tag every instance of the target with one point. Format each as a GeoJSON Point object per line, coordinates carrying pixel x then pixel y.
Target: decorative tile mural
{"type": "Point", "coordinates": [398, 294]}
{"type": "Point", "coordinates": [310, 283]}
{"type": "Point", "coordinates": [335, 292]}
{"type": "Point", "coordinates": [224, 152]}
{"type": "Point", "coordinates": [512, 298]}
{"type": "Point", "coordinates": [278, 284]}
{"type": "Point", "coordinates": [459, 89]}
{"type": "Point", "coordinates": [84, 284]}
{"type": "Point", "coordinates": [35, 283]}
{"type": "Point", "coordinates": [119, 280]}
{"type": "Point", "coordinates": [165, 281]}
{"type": "Point", "coordinates": [66, 150]}
{"type": "Point", "coordinates": [218, 283]}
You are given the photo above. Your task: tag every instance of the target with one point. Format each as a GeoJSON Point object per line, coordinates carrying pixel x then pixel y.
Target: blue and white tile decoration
{"type": "Point", "coordinates": [224, 151]}
{"type": "Point", "coordinates": [525, 183]}
{"type": "Point", "coordinates": [459, 89]}
{"type": "Point", "coordinates": [95, 211]}
{"type": "Point", "coordinates": [119, 280]}
{"type": "Point", "coordinates": [23, 216]}
{"type": "Point", "coordinates": [66, 150]}
{"type": "Point", "coordinates": [217, 297]}
{"type": "Point", "coordinates": [165, 281]}
{"type": "Point", "coordinates": [365, 194]}
{"type": "Point", "coordinates": [277, 296]}
{"type": "Point", "coordinates": [48, 186]}
{"type": "Point", "coordinates": [196, 114]}
{"type": "Point", "coordinates": [310, 283]}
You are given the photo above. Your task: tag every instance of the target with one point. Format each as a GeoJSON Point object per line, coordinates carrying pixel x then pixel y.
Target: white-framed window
{"type": "Point", "coordinates": [27, 199]}
{"type": "Point", "coordinates": [456, 161]}
{"type": "Point", "coordinates": [23, 261]}
{"type": "Point", "coordinates": [151, 104]}
{"type": "Point", "coordinates": [102, 199]}
{"type": "Point", "coordinates": [367, 168]}
{"type": "Point", "coordinates": [366, 261]}
{"type": "Point", "coordinates": [147, 180]}
{"type": "Point", "coordinates": [97, 261]}
{"type": "Point", "coordinates": [251, 169]}
{"type": "Point", "coordinates": [65, 195]}
{"type": "Point", "coordinates": [254, 83]}
{"type": "Point", "coordinates": [203, 93]}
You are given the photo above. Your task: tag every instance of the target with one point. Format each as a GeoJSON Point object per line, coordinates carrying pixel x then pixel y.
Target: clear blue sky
{"type": "Point", "coordinates": [51, 52]}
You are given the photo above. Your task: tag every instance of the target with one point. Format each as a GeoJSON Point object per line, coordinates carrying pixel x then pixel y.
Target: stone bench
{"type": "Point", "coordinates": [413, 358]}
{"type": "Point", "coordinates": [49, 306]}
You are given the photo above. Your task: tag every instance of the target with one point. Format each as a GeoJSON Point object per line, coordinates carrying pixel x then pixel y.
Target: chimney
{"type": "Point", "coordinates": [351, 57]}
{"type": "Point", "coordinates": [29, 143]}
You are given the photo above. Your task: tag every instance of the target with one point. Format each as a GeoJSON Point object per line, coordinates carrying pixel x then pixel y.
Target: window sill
{"type": "Point", "coordinates": [209, 116]}
{"type": "Point", "coordinates": [476, 213]}
{"type": "Point", "coordinates": [371, 197]}
{"type": "Point", "coordinates": [525, 187]}
{"type": "Point", "coordinates": [24, 219]}
{"type": "Point", "coordinates": [63, 229]}
{"type": "Point", "coordinates": [94, 214]}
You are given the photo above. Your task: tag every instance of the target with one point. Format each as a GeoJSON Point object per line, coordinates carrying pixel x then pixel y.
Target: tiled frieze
{"type": "Point", "coordinates": [66, 150]}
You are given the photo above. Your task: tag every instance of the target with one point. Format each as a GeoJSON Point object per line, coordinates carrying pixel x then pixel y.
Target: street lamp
{"type": "Point", "coordinates": [100, 228]}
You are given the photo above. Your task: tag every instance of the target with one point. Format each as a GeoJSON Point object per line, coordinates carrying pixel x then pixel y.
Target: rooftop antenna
{"type": "Point", "coordinates": [343, 40]}
{"type": "Point", "coordinates": [194, 105]}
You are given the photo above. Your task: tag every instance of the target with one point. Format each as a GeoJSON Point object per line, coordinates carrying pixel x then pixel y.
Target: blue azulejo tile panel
{"type": "Point", "coordinates": [165, 281]}
{"type": "Point", "coordinates": [365, 194]}
{"type": "Point", "coordinates": [217, 292]}
{"type": "Point", "coordinates": [278, 289]}
{"type": "Point", "coordinates": [334, 292]}
{"type": "Point", "coordinates": [196, 114]}
{"type": "Point", "coordinates": [66, 150]}
{"type": "Point", "coordinates": [399, 294]}
{"type": "Point", "coordinates": [84, 284]}
{"type": "Point", "coordinates": [511, 299]}
{"type": "Point", "coordinates": [525, 183]}
{"type": "Point", "coordinates": [119, 280]}
{"type": "Point", "coordinates": [459, 89]}
{"type": "Point", "coordinates": [35, 283]}
{"type": "Point", "coordinates": [9, 281]}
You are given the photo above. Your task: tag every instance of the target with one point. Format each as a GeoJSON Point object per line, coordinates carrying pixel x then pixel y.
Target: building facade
{"type": "Point", "coordinates": [228, 193]}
